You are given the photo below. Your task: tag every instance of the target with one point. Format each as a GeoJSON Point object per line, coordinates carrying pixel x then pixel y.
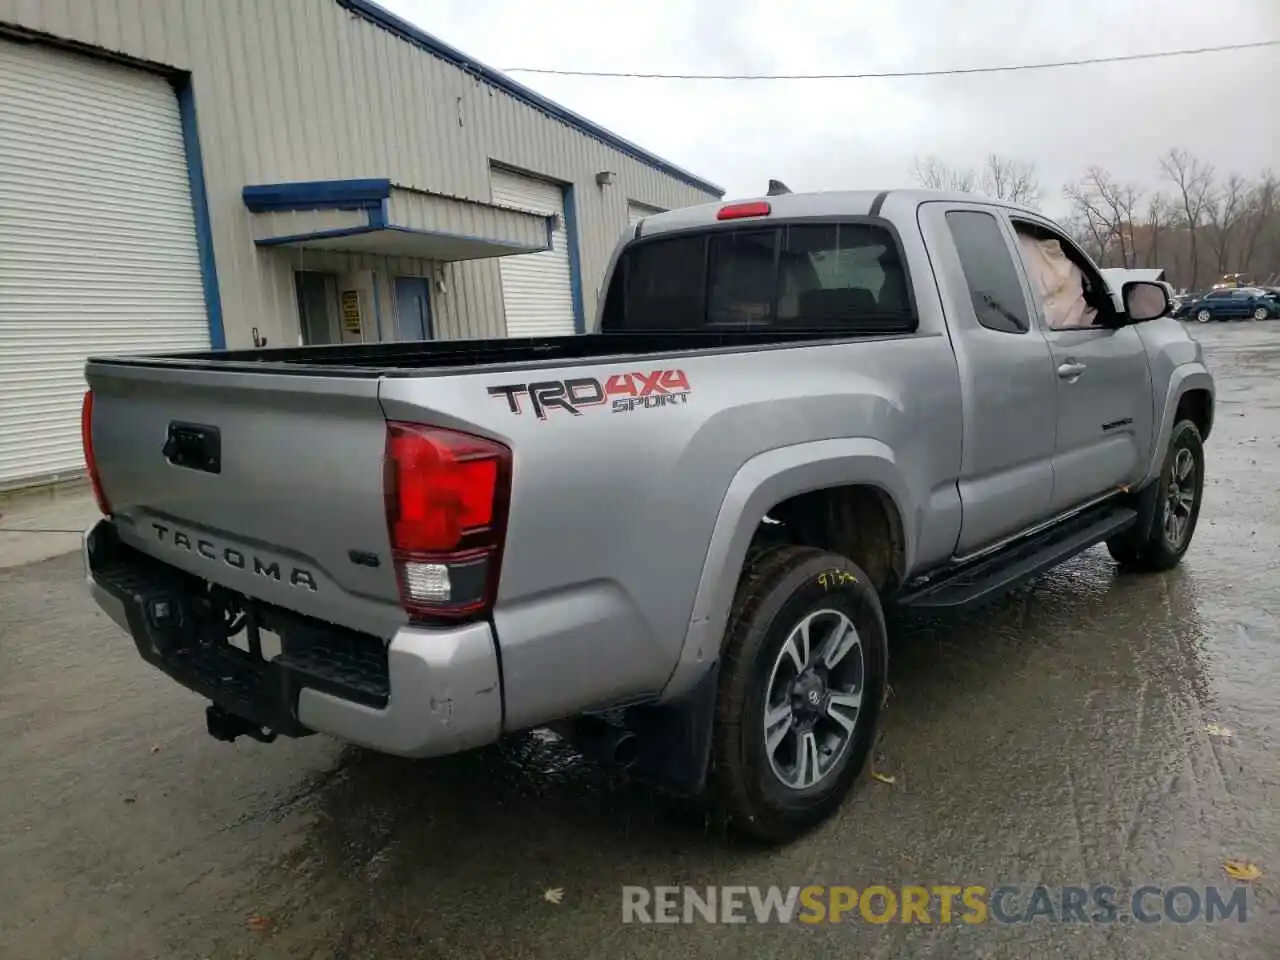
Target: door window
{"type": "Point", "coordinates": [1069, 291]}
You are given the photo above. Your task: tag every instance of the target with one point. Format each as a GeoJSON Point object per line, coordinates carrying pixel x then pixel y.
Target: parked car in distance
{"type": "Point", "coordinates": [1182, 304]}
{"type": "Point", "coordinates": [1239, 303]}
{"type": "Point", "coordinates": [669, 539]}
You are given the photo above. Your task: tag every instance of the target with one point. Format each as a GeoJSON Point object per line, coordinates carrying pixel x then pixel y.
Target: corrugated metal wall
{"type": "Point", "coordinates": [291, 90]}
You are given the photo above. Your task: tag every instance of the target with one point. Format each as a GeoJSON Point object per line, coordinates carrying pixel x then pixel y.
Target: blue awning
{"type": "Point", "coordinates": [380, 217]}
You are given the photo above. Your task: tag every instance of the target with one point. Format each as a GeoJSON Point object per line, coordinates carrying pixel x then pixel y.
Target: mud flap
{"type": "Point", "coordinates": [675, 738]}
{"type": "Point", "coordinates": [1145, 503]}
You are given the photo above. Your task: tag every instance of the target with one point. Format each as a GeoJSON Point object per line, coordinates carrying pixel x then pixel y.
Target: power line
{"type": "Point", "coordinates": [901, 74]}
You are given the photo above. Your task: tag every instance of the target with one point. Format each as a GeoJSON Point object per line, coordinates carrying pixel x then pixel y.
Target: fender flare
{"type": "Point", "coordinates": [761, 482]}
{"type": "Point", "coordinates": [1185, 378]}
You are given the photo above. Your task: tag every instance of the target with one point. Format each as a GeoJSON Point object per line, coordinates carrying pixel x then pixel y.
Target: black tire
{"type": "Point", "coordinates": [779, 588]}
{"type": "Point", "coordinates": [1147, 545]}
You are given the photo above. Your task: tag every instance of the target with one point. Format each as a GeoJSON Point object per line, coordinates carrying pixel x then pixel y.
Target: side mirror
{"type": "Point", "coordinates": [1144, 300]}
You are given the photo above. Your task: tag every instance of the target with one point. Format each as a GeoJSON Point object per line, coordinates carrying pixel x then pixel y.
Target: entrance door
{"type": "Point", "coordinates": [413, 308]}
{"type": "Point", "coordinates": [316, 294]}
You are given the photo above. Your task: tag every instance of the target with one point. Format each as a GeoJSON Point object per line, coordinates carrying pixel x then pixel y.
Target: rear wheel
{"type": "Point", "coordinates": [1261, 313]}
{"type": "Point", "coordinates": [801, 687]}
{"type": "Point", "coordinates": [1169, 509]}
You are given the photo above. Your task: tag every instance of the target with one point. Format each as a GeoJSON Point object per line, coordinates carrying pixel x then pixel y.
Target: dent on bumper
{"type": "Point", "coordinates": [445, 697]}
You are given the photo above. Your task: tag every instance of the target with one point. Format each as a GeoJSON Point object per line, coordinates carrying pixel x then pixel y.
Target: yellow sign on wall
{"type": "Point", "coordinates": [351, 311]}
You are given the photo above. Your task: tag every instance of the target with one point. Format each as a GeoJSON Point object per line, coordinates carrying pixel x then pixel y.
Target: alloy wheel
{"type": "Point", "coordinates": [1180, 500]}
{"type": "Point", "coordinates": [814, 699]}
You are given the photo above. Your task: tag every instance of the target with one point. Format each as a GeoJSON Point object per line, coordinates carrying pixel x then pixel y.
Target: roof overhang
{"type": "Point", "coordinates": [379, 217]}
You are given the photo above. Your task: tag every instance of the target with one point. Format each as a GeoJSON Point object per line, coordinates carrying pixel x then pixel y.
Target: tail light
{"type": "Point", "coordinates": [447, 495]}
{"type": "Point", "coordinates": [739, 211]}
{"type": "Point", "coordinates": [90, 461]}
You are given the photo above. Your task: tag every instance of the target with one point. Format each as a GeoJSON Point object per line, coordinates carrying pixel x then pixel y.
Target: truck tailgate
{"type": "Point", "coordinates": [269, 484]}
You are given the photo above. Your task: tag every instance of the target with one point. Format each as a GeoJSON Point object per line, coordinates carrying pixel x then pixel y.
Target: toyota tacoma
{"type": "Point", "coordinates": [671, 538]}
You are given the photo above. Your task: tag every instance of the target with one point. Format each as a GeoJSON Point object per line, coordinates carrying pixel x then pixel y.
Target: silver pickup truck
{"type": "Point", "coordinates": [671, 539]}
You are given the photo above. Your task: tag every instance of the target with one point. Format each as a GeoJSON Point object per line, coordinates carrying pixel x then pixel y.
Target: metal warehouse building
{"type": "Point", "coordinates": [180, 174]}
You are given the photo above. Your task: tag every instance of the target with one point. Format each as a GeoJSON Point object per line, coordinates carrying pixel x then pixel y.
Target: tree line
{"type": "Point", "coordinates": [1197, 223]}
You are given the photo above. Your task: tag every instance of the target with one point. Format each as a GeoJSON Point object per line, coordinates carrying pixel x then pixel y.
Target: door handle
{"type": "Point", "coordinates": [1070, 371]}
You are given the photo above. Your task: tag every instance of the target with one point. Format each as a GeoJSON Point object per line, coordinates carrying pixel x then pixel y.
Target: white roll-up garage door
{"type": "Point", "coordinates": [638, 211]}
{"type": "Point", "coordinates": [97, 242]}
{"type": "Point", "coordinates": [537, 288]}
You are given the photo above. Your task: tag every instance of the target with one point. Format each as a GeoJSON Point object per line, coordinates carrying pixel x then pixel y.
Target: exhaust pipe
{"type": "Point", "coordinates": [604, 743]}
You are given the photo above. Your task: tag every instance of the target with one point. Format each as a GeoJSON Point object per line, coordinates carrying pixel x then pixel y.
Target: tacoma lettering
{"type": "Point", "coordinates": [236, 559]}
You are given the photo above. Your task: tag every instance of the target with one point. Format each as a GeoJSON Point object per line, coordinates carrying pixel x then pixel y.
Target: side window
{"type": "Point", "coordinates": [989, 271]}
{"type": "Point", "coordinates": [1219, 295]}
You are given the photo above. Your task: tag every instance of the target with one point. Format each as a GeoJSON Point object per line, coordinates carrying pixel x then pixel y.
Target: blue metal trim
{"type": "Point", "coordinates": [419, 38]}
{"type": "Point", "coordinates": [317, 235]}
{"type": "Point", "coordinates": [575, 266]}
{"type": "Point", "coordinates": [317, 195]}
{"type": "Point", "coordinates": [515, 248]}
{"type": "Point", "coordinates": [378, 214]}
{"type": "Point", "coordinates": [200, 209]}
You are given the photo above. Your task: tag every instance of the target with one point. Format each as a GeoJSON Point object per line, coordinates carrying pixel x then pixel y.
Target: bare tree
{"type": "Point", "coordinates": [1159, 213]}
{"type": "Point", "coordinates": [1085, 232]}
{"type": "Point", "coordinates": [1261, 212]}
{"type": "Point", "coordinates": [933, 174]}
{"type": "Point", "coordinates": [1006, 178]}
{"type": "Point", "coordinates": [1194, 180]}
{"type": "Point", "coordinates": [1107, 205]}
{"type": "Point", "coordinates": [1224, 211]}
{"type": "Point", "coordinates": [1089, 223]}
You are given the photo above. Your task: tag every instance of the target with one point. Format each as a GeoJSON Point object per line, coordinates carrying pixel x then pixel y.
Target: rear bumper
{"type": "Point", "coordinates": [428, 692]}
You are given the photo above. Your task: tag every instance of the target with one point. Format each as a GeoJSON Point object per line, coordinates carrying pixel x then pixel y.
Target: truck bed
{"type": "Point", "coordinates": [419, 358]}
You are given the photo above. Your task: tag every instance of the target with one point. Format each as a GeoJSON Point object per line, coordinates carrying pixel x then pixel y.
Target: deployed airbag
{"type": "Point", "coordinates": [1058, 284]}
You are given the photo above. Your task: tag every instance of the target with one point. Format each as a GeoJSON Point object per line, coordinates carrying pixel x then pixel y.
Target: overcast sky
{"type": "Point", "coordinates": [850, 134]}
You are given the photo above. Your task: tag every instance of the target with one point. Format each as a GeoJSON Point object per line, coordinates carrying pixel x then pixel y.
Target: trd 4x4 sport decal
{"type": "Point", "coordinates": [627, 391]}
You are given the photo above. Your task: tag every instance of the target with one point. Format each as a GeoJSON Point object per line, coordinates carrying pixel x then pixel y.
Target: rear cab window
{"type": "Point", "coordinates": [838, 278]}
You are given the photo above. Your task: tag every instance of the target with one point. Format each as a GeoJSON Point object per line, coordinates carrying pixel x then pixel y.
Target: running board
{"type": "Point", "coordinates": [971, 584]}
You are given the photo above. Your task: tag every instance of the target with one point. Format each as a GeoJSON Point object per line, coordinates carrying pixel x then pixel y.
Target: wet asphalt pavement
{"type": "Point", "coordinates": [1072, 734]}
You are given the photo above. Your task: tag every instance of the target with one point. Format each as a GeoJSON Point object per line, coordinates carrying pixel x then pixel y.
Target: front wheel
{"type": "Point", "coordinates": [1167, 518]}
{"type": "Point", "coordinates": [801, 687]}
{"type": "Point", "coordinates": [1204, 316]}
{"type": "Point", "coordinates": [1261, 313]}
